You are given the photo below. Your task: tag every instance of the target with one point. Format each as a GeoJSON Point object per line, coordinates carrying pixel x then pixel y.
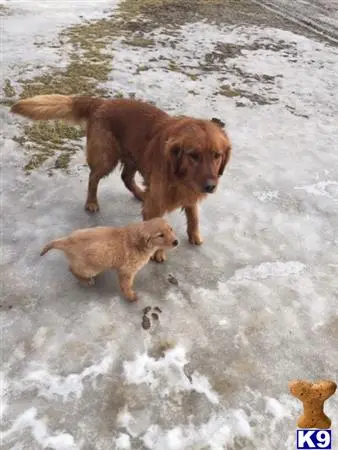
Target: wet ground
{"type": "Point", "coordinates": [239, 317]}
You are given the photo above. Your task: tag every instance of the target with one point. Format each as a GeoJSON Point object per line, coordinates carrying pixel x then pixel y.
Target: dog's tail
{"type": "Point", "coordinates": [59, 244]}
{"type": "Point", "coordinates": [52, 107]}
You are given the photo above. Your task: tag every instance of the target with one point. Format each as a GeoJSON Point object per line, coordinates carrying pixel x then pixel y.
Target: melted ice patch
{"type": "Point", "coordinates": [167, 372]}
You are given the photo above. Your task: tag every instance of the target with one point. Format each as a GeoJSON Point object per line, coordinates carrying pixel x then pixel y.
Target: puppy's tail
{"type": "Point", "coordinates": [52, 107]}
{"type": "Point", "coordinates": [59, 244]}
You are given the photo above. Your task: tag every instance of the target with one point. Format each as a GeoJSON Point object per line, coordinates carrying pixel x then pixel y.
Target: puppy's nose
{"type": "Point", "coordinates": [175, 243]}
{"type": "Point", "coordinates": [209, 186]}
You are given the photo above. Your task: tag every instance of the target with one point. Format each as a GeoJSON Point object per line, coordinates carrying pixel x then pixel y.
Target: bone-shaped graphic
{"type": "Point", "coordinates": [313, 396]}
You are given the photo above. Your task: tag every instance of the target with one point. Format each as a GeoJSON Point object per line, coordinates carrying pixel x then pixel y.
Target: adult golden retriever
{"type": "Point", "coordinates": [180, 158]}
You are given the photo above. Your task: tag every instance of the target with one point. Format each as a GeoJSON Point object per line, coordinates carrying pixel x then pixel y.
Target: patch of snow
{"type": "Point", "coordinates": [268, 270]}
{"type": "Point", "coordinates": [266, 196]}
{"type": "Point", "coordinates": [168, 374]}
{"type": "Point", "coordinates": [3, 394]}
{"type": "Point", "coordinates": [28, 419]}
{"type": "Point", "coordinates": [122, 442]}
{"type": "Point", "coordinates": [49, 385]}
{"type": "Point", "coordinates": [327, 189]}
{"type": "Point", "coordinates": [217, 432]}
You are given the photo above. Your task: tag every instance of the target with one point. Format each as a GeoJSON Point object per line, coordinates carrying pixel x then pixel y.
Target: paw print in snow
{"type": "Point", "coordinates": [150, 315]}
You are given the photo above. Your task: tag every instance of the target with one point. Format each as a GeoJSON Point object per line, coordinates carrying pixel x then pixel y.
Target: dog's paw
{"type": "Point", "coordinates": [150, 316]}
{"type": "Point", "coordinates": [195, 239]}
{"type": "Point", "coordinates": [92, 207]}
{"type": "Point", "coordinates": [159, 256]}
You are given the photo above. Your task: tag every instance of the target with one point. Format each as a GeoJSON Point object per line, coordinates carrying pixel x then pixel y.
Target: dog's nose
{"type": "Point", "coordinates": [209, 186]}
{"type": "Point", "coordinates": [175, 243]}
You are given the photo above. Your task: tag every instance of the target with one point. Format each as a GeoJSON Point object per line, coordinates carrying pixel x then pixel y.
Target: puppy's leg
{"type": "Point", "coordinates": [102, 158]}
{"type": "Point", "coordinates": [152, 208]}
{"type": "Point", "coordinates": [191, 213]}
{"type": "Point", "coordinates": [126, 280]}
{"type": "Point", "coordinates": [128, 174]}
{"type": "Point", "coordinates": [88, 281]}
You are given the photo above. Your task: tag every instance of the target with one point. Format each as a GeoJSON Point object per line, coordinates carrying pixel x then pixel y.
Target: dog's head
{"type": "Point", "coordinates": [157, 233]}
{"type": "Point", "coordinates": [198, 151]}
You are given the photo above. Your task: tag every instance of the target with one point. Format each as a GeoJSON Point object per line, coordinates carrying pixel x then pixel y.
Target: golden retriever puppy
{"type": "Point", "coordinates": [91, 251]}
{"type": "Point", "coordinates": [180, 158]}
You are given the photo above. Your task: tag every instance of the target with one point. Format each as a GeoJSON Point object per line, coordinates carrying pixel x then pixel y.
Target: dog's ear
{"type": "Point", "coordinates": [175, 156]}
{"type": "Point", "coordinates": [224, 161]}
{"type": "Point", "coordinates": [218, 122]}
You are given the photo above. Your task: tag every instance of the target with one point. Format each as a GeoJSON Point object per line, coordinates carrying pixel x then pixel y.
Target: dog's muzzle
{"type": "Point", "coordinates": [209, 187]}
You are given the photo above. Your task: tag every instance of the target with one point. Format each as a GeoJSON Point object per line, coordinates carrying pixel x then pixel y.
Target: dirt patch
{"type": "Point", "coordinates": [8, 93]}
{"type": "Point", "coordinates": [139, 41]}
{"type": "Point", "coordinates": [159, 350]}
{"type": "Point", "coordinates": [48, 139]}
{"type": "Point", "coordinates": [5, 11]}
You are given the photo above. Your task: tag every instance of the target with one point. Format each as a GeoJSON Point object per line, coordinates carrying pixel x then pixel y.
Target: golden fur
{"type": "Point", "coordinates": [180, 158]}
{"type": "Point", "coordinates": [91, 251]}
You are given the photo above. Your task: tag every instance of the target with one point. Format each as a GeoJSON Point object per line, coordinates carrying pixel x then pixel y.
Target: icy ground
{"type": "Point", "coordinates": [320, 16]}
{"type": "Point", "coordinates": [255, 307]}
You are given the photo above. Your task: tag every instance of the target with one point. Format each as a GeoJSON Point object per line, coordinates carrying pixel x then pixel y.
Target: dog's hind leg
{"type": "Point", "coordinates": [88, 281]}
{"type": "Point", "coordinates": [102, 157]}
{"type": "Point", "coordinates": [128, 174]}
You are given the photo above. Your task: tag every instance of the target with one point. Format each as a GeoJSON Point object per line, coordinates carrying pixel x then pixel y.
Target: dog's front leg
{"type": "Point", "coordinates": [126, 280]}
{"type": "Point", "coordinates": [191, 213]}
{"type": "Point", "coordinates": [151, 209]}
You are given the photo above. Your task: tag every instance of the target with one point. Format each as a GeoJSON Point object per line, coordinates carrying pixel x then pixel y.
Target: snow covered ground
{"type": "Point", "coordinates": [255, 307]}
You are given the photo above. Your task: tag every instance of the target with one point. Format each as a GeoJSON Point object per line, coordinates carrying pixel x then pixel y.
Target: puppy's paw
{"type": "Point", "coordinates": [159, 256]}
{"type": "Point", "coordinates": [195, 239]}
{"type": "Point", "coordinates": [90, 282]}
{"type": "Point", "coordinates": [92, 207]}
{"type": "Point", "coordinates": [132, 296]}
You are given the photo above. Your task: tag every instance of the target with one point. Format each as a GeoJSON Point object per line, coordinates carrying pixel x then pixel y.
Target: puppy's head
{"type": "Point", "coordinates": [198, 151]}
{"type": "Point", "coordinates": [157, 233]}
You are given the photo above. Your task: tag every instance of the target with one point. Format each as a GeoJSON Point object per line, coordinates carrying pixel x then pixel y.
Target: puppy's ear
{"type": "Point", "coordinates": [144, 240]}
{"type": "Point", "coordinates": [218, 122]}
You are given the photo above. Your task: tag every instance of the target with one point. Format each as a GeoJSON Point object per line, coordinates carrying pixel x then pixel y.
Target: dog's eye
{"type": "Point", "coordinates": [194, 156]}
{"type": "Point", "coordinates": [161, 235]}
{"type": "Point", "coordinates": [175, 150]}
{"type": "Point", "coordinates": [217, 155]}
